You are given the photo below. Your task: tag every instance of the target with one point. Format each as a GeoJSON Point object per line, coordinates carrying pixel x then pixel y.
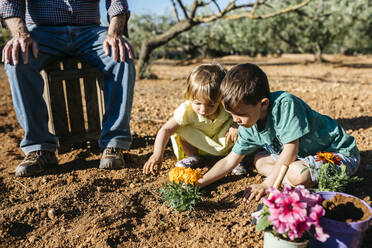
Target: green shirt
{"type": "Point", "coordinates": [289, 118]}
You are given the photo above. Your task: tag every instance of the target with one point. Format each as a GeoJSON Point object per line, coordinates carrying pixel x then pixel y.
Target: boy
{"type": "Point", "coordinates": [287, 128]}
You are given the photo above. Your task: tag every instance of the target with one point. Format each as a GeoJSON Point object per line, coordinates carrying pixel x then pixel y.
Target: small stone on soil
{"type": "Point", "coordinates": [32, 239]}
{"type": "Point", "coordinates": [52, 213]}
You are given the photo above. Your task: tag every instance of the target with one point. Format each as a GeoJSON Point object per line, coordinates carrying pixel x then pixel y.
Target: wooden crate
{"type": "Point", "coordinates": [74, 95]}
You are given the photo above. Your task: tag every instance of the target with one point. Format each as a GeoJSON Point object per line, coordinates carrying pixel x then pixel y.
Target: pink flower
{"type": "Point", "coordinates": [295, 211]}
{"type": "Point", "coordinates": [320, 234]}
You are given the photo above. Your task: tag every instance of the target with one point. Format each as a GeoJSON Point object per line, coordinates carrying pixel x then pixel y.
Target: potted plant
{"type": "Point", "coordinates": [346, 217]}
{"type": "Point", "coordinates": [288, 217]}
{"type": "Point", "coordinates": [346, 220]}
{"type": "Point", "coordinates": [332, 175]}
{"type": "Point", "coordinates": [182, 193]}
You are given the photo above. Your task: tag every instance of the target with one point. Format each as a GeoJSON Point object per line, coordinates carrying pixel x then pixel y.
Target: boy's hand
{"type": "Point", "coordinates": [232, 134]}
{"type": "Point", "coordinates": [254, 191]}
{"type": "Point", "coordinates": [153, 164]}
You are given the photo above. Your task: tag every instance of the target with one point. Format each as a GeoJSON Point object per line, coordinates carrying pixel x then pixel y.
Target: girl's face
{"type": "Point", "coordinates": [204, 107]}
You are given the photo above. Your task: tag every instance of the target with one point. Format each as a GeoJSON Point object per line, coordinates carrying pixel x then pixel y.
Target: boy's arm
{"type": "Point", "coordinates": [220, 169]}
{"type": "Point", "coordinates": [169, 128]}
{"type": "Point", "coordinates": [287, 156]}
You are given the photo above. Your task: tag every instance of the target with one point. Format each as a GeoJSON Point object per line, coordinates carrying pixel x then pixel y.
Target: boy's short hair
{"type": "Point", "coordinates": [205, 79]}
{"type": "Point", "coordinates": [245, 83]}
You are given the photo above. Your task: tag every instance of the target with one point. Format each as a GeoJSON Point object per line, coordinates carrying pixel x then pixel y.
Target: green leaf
{"type": "Point", "coordinates": [181, 197]}
{"type": "Point", "coordinates": [263, 223]}
{"type": "Point", "coordinates": [303, 170]}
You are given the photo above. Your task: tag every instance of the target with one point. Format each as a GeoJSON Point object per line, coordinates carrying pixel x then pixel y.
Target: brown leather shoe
{"type": "Point", "coordinates": [35, 163]}
{"type": "Point", "coordinates": [112, 159]}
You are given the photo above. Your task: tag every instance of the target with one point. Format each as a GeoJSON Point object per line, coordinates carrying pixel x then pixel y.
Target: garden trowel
{"type": "Point", "coordinates": [277, 183]}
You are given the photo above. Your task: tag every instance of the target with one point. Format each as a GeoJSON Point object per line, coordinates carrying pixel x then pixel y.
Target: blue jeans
{"type": "Point", "coordinates": [84, 42]}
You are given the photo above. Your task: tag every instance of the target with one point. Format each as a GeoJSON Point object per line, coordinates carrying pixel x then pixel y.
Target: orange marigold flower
{"type": "Point", "coordinates": [185, 175]}
{"type": "Point", "coordinates": [328, 157]}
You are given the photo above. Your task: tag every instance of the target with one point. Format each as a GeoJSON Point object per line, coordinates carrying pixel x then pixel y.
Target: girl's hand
{"type": "Point", "coordinates": [153, 164]}
{"type": "Point", "coordinates": [232, 134]}
{"type": "Point", "coordinates": [254, 191]}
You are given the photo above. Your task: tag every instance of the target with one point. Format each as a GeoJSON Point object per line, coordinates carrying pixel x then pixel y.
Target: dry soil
{"type": "Point", "coordinates": [78, 205]}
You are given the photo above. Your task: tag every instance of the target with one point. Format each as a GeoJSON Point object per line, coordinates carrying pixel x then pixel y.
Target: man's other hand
{"type": "Point", "coordinates": [19, 42]}
{"type": "Point", "coordinates": [116, 46]}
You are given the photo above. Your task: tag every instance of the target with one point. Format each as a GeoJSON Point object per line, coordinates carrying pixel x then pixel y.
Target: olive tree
{"type": "Point", "coordinates": [207, 11]}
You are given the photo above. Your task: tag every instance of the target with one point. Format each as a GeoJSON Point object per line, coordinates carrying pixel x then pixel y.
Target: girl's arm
{"type": "Point", "coordinates": [154, 162]}
{"type": "Point", "coordinates": [287, 156]}
{"type": "Point", "coordinates": [220, 169]}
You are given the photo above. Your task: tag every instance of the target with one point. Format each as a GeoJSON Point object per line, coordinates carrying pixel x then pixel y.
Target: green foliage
{"type": "Point", "coordinates": [334, 178]}
{"type": "Point", "coordinates": [4, 36]}
{"type": "Point", "coordinates": [322, 26]}
{"type": "Point", "coordinates": [264, 224]}
{"type": "Point", "coordinates": [181, 197]}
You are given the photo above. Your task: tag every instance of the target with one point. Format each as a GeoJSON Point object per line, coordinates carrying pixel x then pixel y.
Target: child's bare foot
{"type": "Point", "coordinates": [239, 170]}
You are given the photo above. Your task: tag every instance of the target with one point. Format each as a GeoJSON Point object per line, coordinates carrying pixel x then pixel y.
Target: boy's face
{"type": "Point", "coordinates": [247, 115]}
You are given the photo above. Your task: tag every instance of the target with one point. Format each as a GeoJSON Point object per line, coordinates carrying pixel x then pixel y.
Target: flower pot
{"type": "Point", "coordinates": [271, 241]}
{"type": "Point", "coordinates": [342, 234]}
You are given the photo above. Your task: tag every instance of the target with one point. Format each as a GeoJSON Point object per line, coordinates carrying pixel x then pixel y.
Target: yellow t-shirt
{"type": "Point", "coordinates": [205, 134]}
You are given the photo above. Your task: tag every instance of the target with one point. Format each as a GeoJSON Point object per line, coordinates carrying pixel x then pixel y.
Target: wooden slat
{"type": "Point", "coordinates": [80, 138]}
{"type": "Point", "coordinates": [57, 101]}
{"type": "Point", "coordinates": [77, 136]}
{"type": "Point", "coordinates": [91, 100]}
{"type": "Point", "coordinates": [101, 97]}
{"type": "Point", "coordinates": [46, 96]}
{"type": "Point", "coordinates": [73, 91]}
{"type": "Point", "coordinates": [74, 73]}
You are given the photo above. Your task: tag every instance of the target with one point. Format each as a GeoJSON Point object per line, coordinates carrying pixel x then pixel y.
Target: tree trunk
{"type": "Point", "coordinates": [159, 40]}
{"type": "Point", "coordinates": [318, 54]}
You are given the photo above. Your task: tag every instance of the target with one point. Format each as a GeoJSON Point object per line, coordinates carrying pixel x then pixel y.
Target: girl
{"type": "Point", "coordinates": [200, 125]}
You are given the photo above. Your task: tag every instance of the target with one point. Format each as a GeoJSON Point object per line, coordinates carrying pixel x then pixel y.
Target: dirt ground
{"type": "Point", "coordinates": [78, 205]}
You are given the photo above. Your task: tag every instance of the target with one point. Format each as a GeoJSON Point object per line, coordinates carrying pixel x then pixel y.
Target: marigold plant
{"type": "Point", "coordinates": [328, 157]}
{"type": "Point", "coordinates": [185, 175]}
{"type": "Point", "coordinates": [332, 175]}
{"type": "Point", "coordinates": [182, 193]}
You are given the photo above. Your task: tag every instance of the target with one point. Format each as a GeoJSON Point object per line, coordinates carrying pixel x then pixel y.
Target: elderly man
{"type": "Point", "coordinates": [43, 31]}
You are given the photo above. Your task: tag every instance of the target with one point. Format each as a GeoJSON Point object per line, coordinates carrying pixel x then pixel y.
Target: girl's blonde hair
{"type": "Point", "coordinates": [205, 80]}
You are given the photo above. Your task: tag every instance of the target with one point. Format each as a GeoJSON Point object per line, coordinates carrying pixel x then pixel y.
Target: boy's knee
{"type": "Point", "coordinates": [259, 164]}
{"type": "Point", "coordinates": [263, 163]}
{"type": "Point", "coordinates": [296, 175]}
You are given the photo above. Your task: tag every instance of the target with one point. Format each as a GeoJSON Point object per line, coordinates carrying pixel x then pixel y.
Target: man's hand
{"type": "Point", "coordinates": [233, 134]}
{"type": "Point", "coordinates": [116, 46]}
{"type": "Point", "coordinates": [114, 43]}
{"type": "Point", "coordinates": [21, 40]}
{"type": "Point", "coordinates": [254, 191]}
{"type": "Point", "coordinates": [153, 164]}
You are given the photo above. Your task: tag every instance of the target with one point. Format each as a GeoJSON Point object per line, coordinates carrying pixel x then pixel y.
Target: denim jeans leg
{"type": "Point", "coordinates": [27, 87]}
{"type": "Point", "coordinates": [119, 80]}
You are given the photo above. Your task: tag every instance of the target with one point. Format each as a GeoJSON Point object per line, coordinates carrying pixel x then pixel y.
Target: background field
{"type": "Point", "coordinates": [96, 208]}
